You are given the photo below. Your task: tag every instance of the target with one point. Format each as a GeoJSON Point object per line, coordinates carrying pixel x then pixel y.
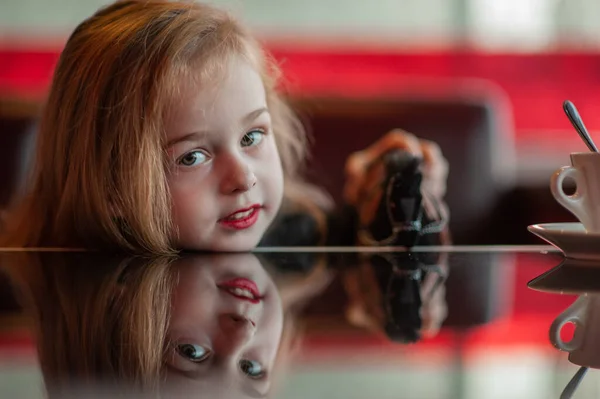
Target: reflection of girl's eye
{"type": "Point", "coordinates": [251, 368]}
{"type": "Point", "coordinates": [252, 138]}
{"type": "Point", "coordinates": [193, 353]}
{"type": "Point", "coordinates": [192, 158]}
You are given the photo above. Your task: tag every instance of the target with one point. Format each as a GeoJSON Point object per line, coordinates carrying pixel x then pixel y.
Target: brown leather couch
{"type": "Point", "coordinates": [17, 141]}
{"type": "Point", "coordinates": [471, 126]}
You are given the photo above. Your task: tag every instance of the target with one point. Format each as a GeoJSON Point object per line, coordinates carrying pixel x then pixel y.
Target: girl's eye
{"type": "Point", "coordinates": [252, 138]}
{"type": "Point", "coordinates": [192, 158]}
{"type": "Point", "coordinates": [193, 353]}
{"type": "Point", "coordinates": [251, 368]}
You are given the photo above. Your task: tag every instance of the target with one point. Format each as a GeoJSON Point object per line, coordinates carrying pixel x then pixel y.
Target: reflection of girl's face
{"type": "Point", "coordinates": [225, 326]}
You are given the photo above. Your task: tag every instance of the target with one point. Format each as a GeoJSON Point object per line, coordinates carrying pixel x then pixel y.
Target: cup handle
{"type": "Point", "coordinates": [573, 314]}
{"type": "Point", "coordinates": [574, 203]}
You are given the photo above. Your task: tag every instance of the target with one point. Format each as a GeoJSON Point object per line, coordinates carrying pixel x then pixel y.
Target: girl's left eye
{"type": "Point", "coordinates": [253, 137]}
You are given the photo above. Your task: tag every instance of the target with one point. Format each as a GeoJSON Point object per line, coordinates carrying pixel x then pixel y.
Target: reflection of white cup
{"type": "Point", "coordinates": [585, 203]}
{"type": "Point", "coordinates": [584, 348]}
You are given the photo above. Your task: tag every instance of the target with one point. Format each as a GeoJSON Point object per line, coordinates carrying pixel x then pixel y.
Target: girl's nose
{"type": "Point", "coordinates": [238, 177]}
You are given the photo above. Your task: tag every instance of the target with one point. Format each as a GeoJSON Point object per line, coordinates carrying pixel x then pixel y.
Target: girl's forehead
{"type": "Point", "coordinates": [238, 92]}
{"type": "Point", "coordinates": [214, 68]}
{"type": "Point", "coordinates": [210, 81]}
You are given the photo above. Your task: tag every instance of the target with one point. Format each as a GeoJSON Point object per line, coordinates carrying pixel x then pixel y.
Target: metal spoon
{"type": "Point", "coordinates": [574, 383]}
{"type": "Point", "coordinates": [577, 123]}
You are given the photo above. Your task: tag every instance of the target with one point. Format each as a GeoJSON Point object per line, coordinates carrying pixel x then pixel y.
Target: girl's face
{"type": "Point", "coordinates": [225, 175]}
{"type": "Point", "coordinates": [225, 327]}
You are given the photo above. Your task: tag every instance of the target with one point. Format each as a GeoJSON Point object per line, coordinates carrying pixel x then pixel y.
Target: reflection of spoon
{"type": "Point", "coordinates": [577, 123]}
{"type": "Point", "coordinates": [574, 383]}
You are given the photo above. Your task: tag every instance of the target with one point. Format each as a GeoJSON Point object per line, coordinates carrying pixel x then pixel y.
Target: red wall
{"type": "Point", "coordinates": [536, 84]}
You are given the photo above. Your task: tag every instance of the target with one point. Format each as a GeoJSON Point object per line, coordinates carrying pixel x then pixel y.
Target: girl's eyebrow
{"type": "Point", "coordinates": [194, 136]}
{"type": "Point", "coordinates": [199, 135]}
{"type": "Point", "coordinates": [249, 118]}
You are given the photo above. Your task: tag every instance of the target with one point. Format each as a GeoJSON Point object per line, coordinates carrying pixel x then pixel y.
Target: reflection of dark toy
{"type": "Point", "coordinates": [400, 218]}
{"type": "Point", "coordinates": [399, 277]}
{"type": "Point", "coordinates": [401, 299]}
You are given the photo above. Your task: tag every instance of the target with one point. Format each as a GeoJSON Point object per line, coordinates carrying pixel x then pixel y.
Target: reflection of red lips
{"type": "Point", "coordinates": [242, 288]}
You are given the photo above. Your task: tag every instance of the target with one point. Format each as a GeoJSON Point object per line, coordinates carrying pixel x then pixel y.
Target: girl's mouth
{"type": "Point", "coordinates": [242, 218]}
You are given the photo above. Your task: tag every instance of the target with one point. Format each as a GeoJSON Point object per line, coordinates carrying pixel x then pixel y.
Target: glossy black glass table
{"type": "Point", "coordinates": [438, 322]}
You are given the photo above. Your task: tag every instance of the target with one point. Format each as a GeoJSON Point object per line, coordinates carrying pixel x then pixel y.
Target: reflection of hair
{"type": "Point", "coordinates": [100, 177]}
{"type": "Point", "coordinates": [97, 320]}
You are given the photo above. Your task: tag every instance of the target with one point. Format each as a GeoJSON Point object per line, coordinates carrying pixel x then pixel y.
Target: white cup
{"type": "Point", "coordinates": [585, 202]}
{"type": "Point", "coordinates": [584, 348]}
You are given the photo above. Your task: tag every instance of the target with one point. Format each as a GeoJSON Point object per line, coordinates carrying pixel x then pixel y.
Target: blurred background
{"type": "Point", "coordinates": [484, 78]}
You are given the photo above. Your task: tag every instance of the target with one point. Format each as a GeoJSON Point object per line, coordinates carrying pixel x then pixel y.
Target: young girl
{"type": "Point", "coordinates": [163, 131]}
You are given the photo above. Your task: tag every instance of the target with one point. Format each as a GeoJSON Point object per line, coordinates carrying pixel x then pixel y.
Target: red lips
{"type": "Point", "coordinates": [242, 218]}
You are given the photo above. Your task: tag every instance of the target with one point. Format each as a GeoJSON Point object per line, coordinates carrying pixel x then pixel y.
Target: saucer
{"type": "Point", "coordinates": [571, 238]}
